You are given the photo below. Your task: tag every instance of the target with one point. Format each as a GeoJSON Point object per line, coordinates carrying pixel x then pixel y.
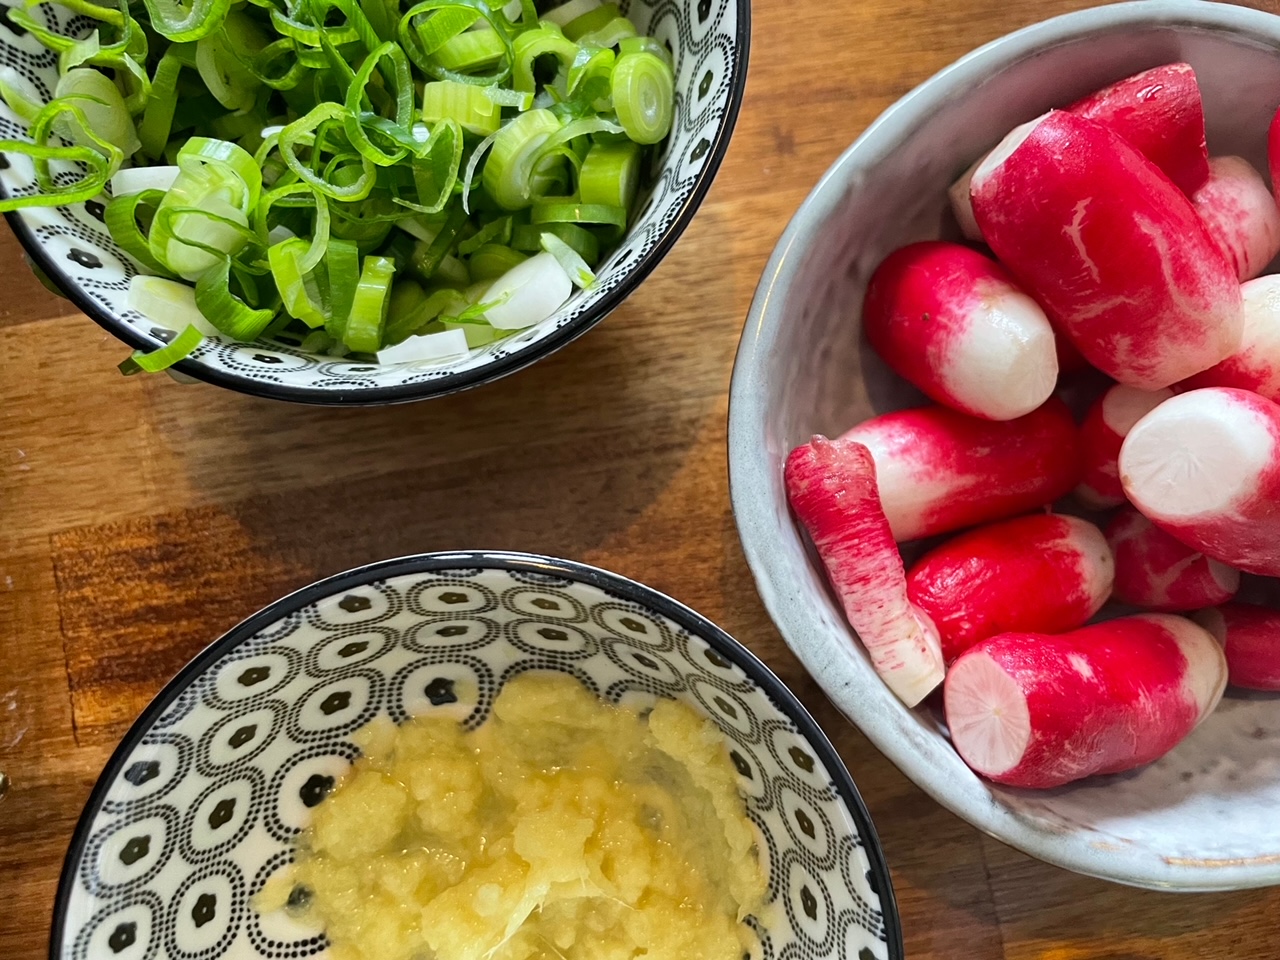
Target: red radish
{"type": "Point", "coordinates": [1205, 466]}
{"type": "Point", "coordinates": [1044, 573]}
{"type": "Point", "coordinates": [941, 471]}
{"type": "Point", "coordinates": [832, 489]}
{"type": "Point", "coordinates": [1104, 428]}
{"type": "Point", "coordinates": [951, 321]}
{"type": "Point", "coordinates": [1236, 205]}
{"type": "Point", "coordinates": [1160, 113]}
{"type": "Point", "coordinates": [1157, 571]}
{"type": "Point", "coordinates": [1040, 710]}
{"type": "Point", "coordinates": [1111, 249]}
{"type": "Point", "coordinates": [961, 206]}
{"type": "Point", "coordinates": [1256, 365]}
{"type": "Point", "coordinates": [1273, 154]}
{"type": "Point", "coordinates": [1250, 635]}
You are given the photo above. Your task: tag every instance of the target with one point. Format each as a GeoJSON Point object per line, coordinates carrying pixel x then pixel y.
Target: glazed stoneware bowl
{"type": "Point", "coordinates": [1202, 818]}
{"type": "Point", "coordinates": [709, 40]}
{"type": "Point", "coordinates": [199, 805]}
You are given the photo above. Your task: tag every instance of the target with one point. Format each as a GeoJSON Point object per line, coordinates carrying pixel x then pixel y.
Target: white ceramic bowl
{"type": "Point", "coordinates": [709, 40]}
{"type": "Point", "coordinates": [1202, 818]}
{"type": "Point", "coordinates": [198, 806]}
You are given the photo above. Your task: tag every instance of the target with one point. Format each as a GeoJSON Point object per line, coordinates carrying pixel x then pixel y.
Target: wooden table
{"type": "Point", "coordinates": [139, 519]}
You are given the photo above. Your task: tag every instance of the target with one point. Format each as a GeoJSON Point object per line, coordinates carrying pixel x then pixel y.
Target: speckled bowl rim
{"type": "Point", "coordinates": [467, 379]}
{"type": "Point", "coordinates": [749, 467]}
{"type": "Point", "coordinates": [781, 696]}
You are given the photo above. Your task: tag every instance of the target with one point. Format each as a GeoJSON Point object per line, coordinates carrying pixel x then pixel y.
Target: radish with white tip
{"type": "Point", "coordinates": [831, 485]}
{"type": "Point", "coordinates": [1250, 636]}
{"type": "Point", "coordinates": [1157, 571]}
{"type": "Point", "coordinates": [941, 471]}
{"type": "Point", "coordinates": [1102, 432]}
{"type": "Point", "coordinates": [953, 323]}
{"type": "Point", "coordinates": [1041, 710]}
{"type": "Point", "coordinates": [1160, 113]}
{"type": "Point", "coordinates": [1043, 573]}
{"type": "Point", "coordinates": [1205, 466]}
{"type": "Point", "coordinates": [1256, 365]}
{"type": "Point", "coordinates": [1236, 206]}
{"type": "Point", "coordinates": [1111, 249]}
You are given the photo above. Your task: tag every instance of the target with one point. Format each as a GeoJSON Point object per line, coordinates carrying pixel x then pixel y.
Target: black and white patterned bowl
{"type": "Point", "coordinates": [709, 40]}
{"type": "Point", "coordinates": [197, 807]}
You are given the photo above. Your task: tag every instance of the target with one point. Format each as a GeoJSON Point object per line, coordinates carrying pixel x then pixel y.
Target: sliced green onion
{"type": "Point", "coordinates": [299, 290]}
{"type": "Point", "coordinates": [472, 50]}
{"type": "Point", "coordinates": [570, 11]}
{"type": "Point", "coordinates": [179, 348]}
{"type": "Point", "coordinates": [467, 105]}
{"type": "Point", "coordinates": [225, 310]}
{"type": "Point", "coordinates": [495, 231]}
{"type": "Point", "coordinates": [343, 262]}
{"type": "Point", "coordinates": [357, 119]}
{"type": "Point", "coordinates": [591, 20]}
{"type": "Point", "coordinates": [121, 217]}
{"type": "Point", "coordinates": [610, 174]}
{"type": "Point", "coordinates": [412, 34]}
{"type": "Point", "coordinates": [100, 159]}
{"type": "Point", "coordinates": [646, 45]}
{"type": "Point", "coordinates": [363, 333]}
{"type": "Point", "coordinates": [492, 260]}
{"type": "Point", "coordinates": [137, 179]}
{"type": "Point", "coordinates": [569, 261]}
{"type": "Point", "coordinates": [585, 243]}
{"type": "Point", "coordinates": [611, 34]}
{"type": "Point", "coordinates": [157, 117]}
{"type": "Point", "coordinates": [167, 303]}
{"type": "Point", "coordinates": [181, 22]}
{"type": "Point", "coordinates": [18, 94]}
{"type": "Point", "coordinates": [103, 107]}
{"type": "Point", "coordinates": [510, 168]}
{"type": "Point", "coordinates": [644, 96]}
{"type": "Point", "coordinates": [302, 133]}
{"type": "Point", "coordinates": [532, 44]}
{"type": "Point", "coordinates": [569, 211]}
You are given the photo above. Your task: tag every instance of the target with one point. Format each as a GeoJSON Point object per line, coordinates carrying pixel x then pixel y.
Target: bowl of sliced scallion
{"type": "Point", "coordinates": [358, 201]}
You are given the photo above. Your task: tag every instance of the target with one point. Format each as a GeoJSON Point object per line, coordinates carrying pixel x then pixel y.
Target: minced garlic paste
{"type": "Point", "coordinates": [563, 828]}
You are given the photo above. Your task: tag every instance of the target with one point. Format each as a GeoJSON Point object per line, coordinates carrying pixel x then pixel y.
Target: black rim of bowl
{"type": "Point", "coordinates": [616, 584]}
{"type": "Point", "coordinates": [453, 383]}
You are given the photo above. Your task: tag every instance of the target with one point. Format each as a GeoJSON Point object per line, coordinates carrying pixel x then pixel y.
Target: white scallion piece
{"type": "Point", "coordinates": [570, 11]}
{"type": "Point", "coordinates": [168, 304]}
{"type": "Point", "coordinates": [133, 180]}
{"type": "Point", "coordinates": [528, 293]}
{"type": "Point", "coordinates": [279, 232]}
{"type": "Point", "coordinates": [427, 348]}
{"type": "Point", "coordinates": [271, 131]}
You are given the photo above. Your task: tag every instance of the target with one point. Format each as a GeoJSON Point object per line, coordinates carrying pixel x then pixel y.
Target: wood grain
{"type": "Point", "coordinates": [139, 519]}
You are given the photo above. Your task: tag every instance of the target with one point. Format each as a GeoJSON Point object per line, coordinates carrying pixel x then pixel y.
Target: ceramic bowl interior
{"type": "Point", "coordinates": [199, 805]}
{"type": "Point", "coordinates": [803, 368]}
{"type": "Point", "coordinates": [709, 40]}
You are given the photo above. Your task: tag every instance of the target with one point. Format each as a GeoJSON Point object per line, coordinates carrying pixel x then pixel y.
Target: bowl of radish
{"type": "Point", "coordinates": [356, 203]}
{"type": "Point", "coordinates": [1036, 309]}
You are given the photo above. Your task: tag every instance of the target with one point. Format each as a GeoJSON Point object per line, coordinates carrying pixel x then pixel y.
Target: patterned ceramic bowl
{"type": "Point", "coordinates": [803, 368]}
{"type": "Point", "coordinates": [198, 806]}
{"type": "Point", "coordinates": [709, 40]}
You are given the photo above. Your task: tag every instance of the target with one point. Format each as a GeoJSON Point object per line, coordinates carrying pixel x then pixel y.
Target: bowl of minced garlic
{"type": "Point", "coordinates": [562, 824]}
{"type": "Point", "coordinates": [476, 756]}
